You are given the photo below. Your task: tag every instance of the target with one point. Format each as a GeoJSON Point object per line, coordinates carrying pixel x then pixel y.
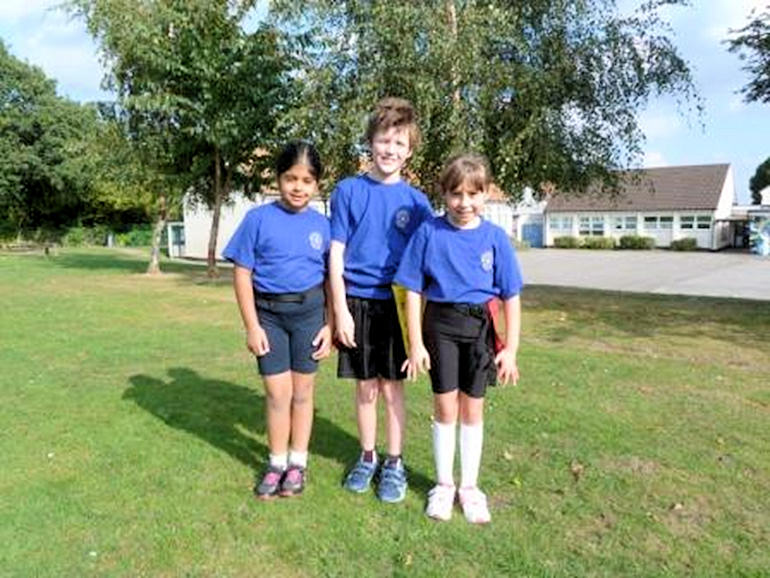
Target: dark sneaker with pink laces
{"type": "Point", "coordinates": [267, 488]}
{"type": "Point", "coordinates": [293, 482]}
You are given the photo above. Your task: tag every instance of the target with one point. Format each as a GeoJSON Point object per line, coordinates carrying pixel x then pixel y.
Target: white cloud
{"type": "Point", "coordinates": [736, 104]}
{"type": "Point", "coordinates": [659, 125]}
{"type": "Point", "coordinates": [726, 15]}
{"type": "Point", "coordinates": [654, 159]}
{"type": "Point", "coordinates": [46, 36]}
{"type": "Point", "coordinates": [16, 10]}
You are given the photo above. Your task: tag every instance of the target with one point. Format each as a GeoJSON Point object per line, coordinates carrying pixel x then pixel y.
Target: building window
{"type": "Point", "coordinates": [591, 226]}
{"type": "Point", "coordinates": [627, 223]}
{"type": "Point", "coordinates": [704, 221]}
{"type": "Point", "coordinates": [659, 222]}
{"type": "Point", "coordinates": [687, 222]}
{"type": "Point", "coordinates": [560, 223]}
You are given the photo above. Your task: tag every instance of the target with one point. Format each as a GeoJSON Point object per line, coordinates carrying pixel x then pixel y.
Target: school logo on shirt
{"type": "Point", "coordinates": [487, 260]}
{"type": "Point", "coordinates": [316, 240]}
{"type": "Point", "coordinates": [402, 218]}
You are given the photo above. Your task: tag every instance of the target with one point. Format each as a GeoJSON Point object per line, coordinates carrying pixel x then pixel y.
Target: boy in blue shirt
{"type": "Point", "coordinates": [280, 252]}
{"type": "Point", "coordinates": [372, 218]}
{"type": "Point", "coordinates": [459, 262]}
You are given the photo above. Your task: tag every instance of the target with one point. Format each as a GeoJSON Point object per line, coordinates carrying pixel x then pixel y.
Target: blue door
{"type": "Point", "coordinates": [533, 234]}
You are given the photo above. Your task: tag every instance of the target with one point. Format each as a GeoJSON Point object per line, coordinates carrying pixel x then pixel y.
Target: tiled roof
{"type": "Point", "coordinates": [666, 188]}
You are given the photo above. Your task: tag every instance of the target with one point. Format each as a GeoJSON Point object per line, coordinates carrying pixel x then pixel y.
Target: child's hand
{"type": "Point", "coordinates": [345, 328]}
{"type": "Point", "coordinates": [256, 341]}
{"type": "Point", "coordinates": [322, 343]}
{"type": "Point", "coordinates": [507, 370]}
{"type": "Point", "coordinates": [417, 362]}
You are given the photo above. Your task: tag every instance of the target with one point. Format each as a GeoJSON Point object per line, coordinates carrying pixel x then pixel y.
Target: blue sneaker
{"type": "Point", "coordinates": [360, 477]}
{"type": "Point", "coordinates": [392, 486]}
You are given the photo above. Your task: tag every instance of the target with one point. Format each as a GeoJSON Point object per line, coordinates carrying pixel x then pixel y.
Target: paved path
{"type": "Point", "coordinates": [724, 274]}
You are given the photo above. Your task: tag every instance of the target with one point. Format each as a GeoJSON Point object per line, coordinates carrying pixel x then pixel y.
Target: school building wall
{"type": "Point", "coordinates": [663, 226]}
{"type": "Point", "coordinates": [197, 222]}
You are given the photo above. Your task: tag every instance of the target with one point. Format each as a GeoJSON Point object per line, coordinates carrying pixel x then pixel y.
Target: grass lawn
{"type": "Point", "coordinates": [637, 443]}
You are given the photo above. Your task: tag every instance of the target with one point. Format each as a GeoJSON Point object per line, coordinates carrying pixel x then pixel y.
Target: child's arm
{"type": "Point", "coordinates": [418, 360]}
{"type": "Point", "coordinates": [507, 370]}
{"type": "Point", "coordinates": [256, 338]}
{"type": "Point", "coordinates": [323, 339]}
{"type": "Point", "coordinates": [343, 320]}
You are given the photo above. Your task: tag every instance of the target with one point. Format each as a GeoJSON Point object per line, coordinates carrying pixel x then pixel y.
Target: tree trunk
{"type": "Point", "coordinates": [157, 231]}
{"type": "Point", "coordinates": [211, 257]}
{"type": "Point", "coordinates": [452, 21]}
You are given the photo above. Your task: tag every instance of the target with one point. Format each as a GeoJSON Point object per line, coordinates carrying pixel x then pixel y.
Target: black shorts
{"type": "Point", "coordinates": [380, 351]}
{"type": "Point", "coordinates": [460, 341]}
{"type": "Point", "coordinates": [291, 322]}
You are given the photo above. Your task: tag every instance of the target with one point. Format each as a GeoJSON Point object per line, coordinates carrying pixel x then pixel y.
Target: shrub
{"type": "Point", "coordinates": [137, 236]}
{"type": "Point", "coordinates": [687, 244]}
{"type": "Point", "coordinates": [636, 242]}
{"type": "Point", "coordinates": [597, 243]}
{"type": "Point", "coordinates": [79, 236]}
{"type": "Point", "coordinates": [566, 242]}
{"type": "Point", "coordinates": [522, 245]}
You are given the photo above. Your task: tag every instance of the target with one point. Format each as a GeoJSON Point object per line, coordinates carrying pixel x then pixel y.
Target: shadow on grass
{"type": "Point", "coordinates": [226, 415]}
{"type": "Point", "coordinates": [230, 416]}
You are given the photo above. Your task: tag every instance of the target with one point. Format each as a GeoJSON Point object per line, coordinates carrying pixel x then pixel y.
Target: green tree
{"type": "Point", "coordinates": [549, 90]}
{"type": "Point", "coordinates": [188, 73]}
{"type": "Point", "coordinates": [46, 165]}
{"type": "Point", "coordinates": [760, 181]}
{"type": "Point", "coordinates": [752, 43]}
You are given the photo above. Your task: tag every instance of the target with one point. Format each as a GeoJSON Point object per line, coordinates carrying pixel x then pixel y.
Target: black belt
{"type": "Point", "coordinates": [287, 297]}
{"type": "Point", "coordinates": [471, 309]}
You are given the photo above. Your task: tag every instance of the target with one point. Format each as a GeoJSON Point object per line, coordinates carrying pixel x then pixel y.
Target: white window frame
{"type": "Point", "coordinates": [703, 222]}
{"type": "Point", "coordinates": [687, 222]}
{"type": "Point", "coordinates": [625, 223]}
{"type": "Point", "coordinates": [592, 226]}
{"type": "Point", "coordinates": [560, 223]}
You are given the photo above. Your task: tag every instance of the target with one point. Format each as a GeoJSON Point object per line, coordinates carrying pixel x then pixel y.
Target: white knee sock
{"type": "Point", "coordinates": [298, 458]}
{"type": "Point", "coordinates": [444, 451]}
{"type": "Point", "coordinates": [471, 441]}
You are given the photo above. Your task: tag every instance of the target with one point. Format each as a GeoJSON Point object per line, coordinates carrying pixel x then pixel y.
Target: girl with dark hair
{"type": "Point", "coordinates": [280, 253]}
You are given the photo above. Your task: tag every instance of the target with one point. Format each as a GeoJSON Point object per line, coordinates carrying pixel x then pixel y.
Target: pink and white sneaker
{"type": "Point", "coordinates": [441, 500]}
{"type": "Point", "coordinates": [474, 505]}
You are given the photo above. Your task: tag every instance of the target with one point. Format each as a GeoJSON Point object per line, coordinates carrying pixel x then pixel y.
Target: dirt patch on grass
{"type": "Point", "coordinates": [688, 518]}
{"type": "Point", "coordinates": [633, 465]}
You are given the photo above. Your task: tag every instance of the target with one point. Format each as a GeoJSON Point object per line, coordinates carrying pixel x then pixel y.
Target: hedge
{"type": "Point", "coordinates": [597, 243]}
{"type": "Point", "coordinates": [687, 244]}
{"type": "Point", "coordinates": [566, 242]}
{"type": "Point", "coordinates": [636, 242]}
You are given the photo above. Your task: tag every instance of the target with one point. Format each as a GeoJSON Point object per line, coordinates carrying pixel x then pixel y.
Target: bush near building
{"type": "Point", "coordinates": [597, 243]}
{"type": "Point", "coordinates": [688, 244]}
{"type": "Point", "coordinates": [636, 242]}
{"type": "Point", "coordinates": [566, 242]}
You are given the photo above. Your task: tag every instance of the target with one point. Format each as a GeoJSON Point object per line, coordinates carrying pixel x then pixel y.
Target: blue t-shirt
{"type": "Point", "coordinates": [452, 265]}
{"type": "Point", "coordinates": [286, 251]}
{"type": "Point", "coordinates": [375, 221]}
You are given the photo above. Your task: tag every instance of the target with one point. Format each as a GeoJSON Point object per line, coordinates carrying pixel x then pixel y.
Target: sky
{"type": "Point", "coordinates": [729, 131]}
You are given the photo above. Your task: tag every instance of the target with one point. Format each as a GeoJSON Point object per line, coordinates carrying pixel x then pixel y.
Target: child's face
{"type": "Point", "coordinates": [390, 151]}
{"type": "Point", "coordinates": [297, 186]}
{"type": "Point", "coordinates": [465, 204]}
